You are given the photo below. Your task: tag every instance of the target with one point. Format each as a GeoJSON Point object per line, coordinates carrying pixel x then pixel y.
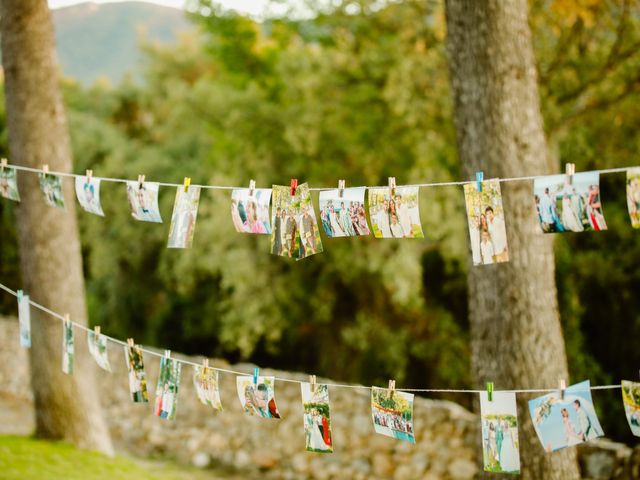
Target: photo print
{"type": "Point", "coordinates": [631, 400]}
{"type": "Point", "coordinates": [564, 422]}
{"type": "Point", "coordinates": [295, 228]}
{"type": "Point", "coordinates": [633, 195]}
{"type": "Point", "coordinates": [485, 216]}
{"type": "Point", "coordinates": [317, 418]}
{"type": "Point", "coordinates": [500, 444]}
{"type": "Point", "coordinates": [395, 215]}
{"type": "Point", "coordinates": [51, 187]}
{"type": "Point", "coordinates": [257, 399]}
{"type": "Point", "coordinates": [9, 184]}
{"type": "Point", "coordinates": [24, 319]}
{"type": "Point", "coordinates": [207, 388]}
{"type": "Point", "coordinates": [88, 194]}
{"type": "Point", "coordinates": [565, 207]}
{"type": "Point", "coordinates": [135, 368]}
{"type": "Point", "coordinates": [167, 388]}
{"type": "Point", "coordinates": [98, 349]}
{"type": "Point", "coordinates": [143, 201]}
{"type": "Point", "coordinates": [343, 216]}
{"type": "Point", "coordinates": [392, 413]}
{"type": "Point", "coordinates": [183, 219]}
{"type": "Point", "coordinates": [250, 212]}
{"type": "Point", "coordinates": [67, 347]}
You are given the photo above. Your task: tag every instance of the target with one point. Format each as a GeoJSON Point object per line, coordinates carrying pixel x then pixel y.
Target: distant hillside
{"type": "Point", "coordinates": [103, 40]}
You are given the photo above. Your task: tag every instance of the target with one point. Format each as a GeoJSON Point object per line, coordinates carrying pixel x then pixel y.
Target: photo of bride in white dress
{"type": "Point", "coordinates": [317, 422]}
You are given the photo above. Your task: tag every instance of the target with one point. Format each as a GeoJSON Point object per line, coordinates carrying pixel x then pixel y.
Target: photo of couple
{"type": "Point", "coordinates": [51, 187]}
{"type": "Point", "coordinates": [9, 184]}
{"type": "Point", "coordinates": [485, 216]}
{"type": "Point", "coordinates": [317, 418]}
{"type": "Point", "coordinates": [395, 215]}
{"type": "Point", "coordinates": [67, 348]}
{"type": "Point", "coordinates": [167, 388]}
{"type": "Point", "coordinates": [564, 422]}
{"type": "Point", "coordinates": [392, 413]}
{"type": "Point", "coordinates": [343, 216]}
{"type": "Point", "coordinates": [88, 194]}
{"type": "Point", "coordinates": [143, 201]}
{"type": "Point", "coordinates": [257, 399]}
{"type": "Point", "coordinates": [24, 319]}
{"type": "Point", "coordinates": [631, 401]}
{"type": "Point", "coordinates": [98, 349]}
{"type": "Point", "coordinates": [295, 228]}
{"type": "Point", "coordinates": [569, 207]}
{"type": "Point", "coordinates": [183, 219]}
{"type": "Point", "coordinates": [633, 195]}
{"type": "Point", "coordinates": [500, 446]}
{"type": "Point", "coordinates": [250, 212]}
{"type": "Point", "coordinates": [135, 368]}
{"type": "Point", "coordinates": [206, 382]}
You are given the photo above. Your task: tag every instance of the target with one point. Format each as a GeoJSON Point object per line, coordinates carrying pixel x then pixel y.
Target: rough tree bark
{"type": "Point", "coordinates": [67, 407]}
{"type": "Point", "coordinates": [515, 328]}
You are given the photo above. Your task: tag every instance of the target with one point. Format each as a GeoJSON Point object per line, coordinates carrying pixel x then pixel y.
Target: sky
{"type": "Point", "coordinates": [254, 7]}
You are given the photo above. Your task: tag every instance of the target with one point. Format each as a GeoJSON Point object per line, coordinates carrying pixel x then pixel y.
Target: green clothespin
{"type": "Point", "coordinates": [490, 391]}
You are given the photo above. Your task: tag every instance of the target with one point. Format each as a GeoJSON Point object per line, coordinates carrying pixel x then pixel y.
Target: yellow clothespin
{"type": "Point", "coordinates": [341, 184]}
{"type": "Point", "coordinates": [187, 182]}
{"type": "Point", "coordinates": [312, 383]}
{"type": "Point", "coordinates": [140, 181]}
{"type": "Point", "coordinates": [252, 187]}
{"type": "Point", "coordinates": [570, 171]}
{"type": "Point", "coordinates": [392, 388]}
{"type": "Point", "coordinates": [89, 174]}
{"type": "Point", "coordinates": [562, 387]}
{"type": "Point", "coordinates": [392, 186]}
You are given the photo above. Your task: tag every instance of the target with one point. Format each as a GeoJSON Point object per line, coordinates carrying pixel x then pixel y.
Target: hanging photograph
{"type": "Point", "coordinates": [206, 382]}
{"type": "Point", "coordinates": [631, 400]}
{"type": "Point", "coordinates": [98, 349]}
{"type": "Point", "coordinates": [167, 388]}
{"type": "Point", "coordinates": [392, 413]}
{"type": "Point", "coordinates": [310, 242]}
{"type": "Point", "coordinates": [143, 201]}
{"type": "Point", "coordinates": [135, 368]}
{"type": "Point", "coordinates": [67, 348]}
{"type": "Point", "coordinates": [24, 319]}
{"type": "Point", "coordinates": [343, 215]}
{"type": "Point", "coordinates": [9, 184]}
{"type": "Point", "coordinates": [183, 219]}
{"type": "Point", "coordinates": [250, 211]}
{"type": "Point", "coordinates": [564, 422]}
{"type": "Point", "coordinates": [317, 418]}
{"type": "Point", "coordinates": [633, 195]}
{"type": "Point", "coordinates": [395, 215]}
{"type": "Point", "coordinates": [569, 207]}
{"type": "Point", "coordinates": [485, 216]}
{"type": "Point", "coordinates": [257, 399]}
{"type": "Point", "coordinates": [500, 444]}
{"type": "Point", "coordinates": [51, 187]}
{"type": "Point", "coordinates": [88, 194]}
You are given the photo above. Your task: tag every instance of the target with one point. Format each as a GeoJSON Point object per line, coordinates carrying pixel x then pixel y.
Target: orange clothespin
{"type": "Point", "coordinates": [294, 186]}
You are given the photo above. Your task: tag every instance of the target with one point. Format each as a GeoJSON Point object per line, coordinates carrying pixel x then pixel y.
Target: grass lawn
{"type": "Point", "coordinates": [29, 459]}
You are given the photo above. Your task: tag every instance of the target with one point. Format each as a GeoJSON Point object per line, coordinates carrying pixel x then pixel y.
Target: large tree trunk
{"type": "Point", "coordinates": [515, 329]}
{"type": "Point", "coordinates": [67, 407]}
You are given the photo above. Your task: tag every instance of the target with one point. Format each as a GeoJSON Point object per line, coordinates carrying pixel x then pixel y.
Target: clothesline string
{"type": "Point", "coordinates": [223, 187]}
{"type": "Point", "coordinates": [289, 380]}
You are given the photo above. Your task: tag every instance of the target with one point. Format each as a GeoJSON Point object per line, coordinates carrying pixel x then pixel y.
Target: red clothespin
{"type": "Point", "coordinates": [294, 186]}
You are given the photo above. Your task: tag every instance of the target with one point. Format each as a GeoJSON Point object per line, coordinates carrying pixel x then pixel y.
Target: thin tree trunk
{"type": "Point", "coordinates": [67, 407]}
{"type": "Point", "coordinates": [515, 328]}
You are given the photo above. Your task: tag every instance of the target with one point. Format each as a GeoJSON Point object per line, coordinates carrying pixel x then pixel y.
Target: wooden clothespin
{"type": "Point", "coordinates": [67, 319]}
{"type": "Point", "coordinates": [392, 388]}
{"type": "Point", "coordinates": [341, 184]}
{"type": "Point", "coordinates": [89, 175]}
{"type": "Point", "coordinates": [96, 330]}
{"type": "Point", "coordinates": [479, 179]}
{"type": "Point", "coordinates": [130, 342]}
{"type": "Point", "coordinates": [570, 171]}
{"type": "Point", "coordinates": [252, 187]}
{"type": "Point", "coordinates": [205, 364]}
{"type": "Point", "coordinates": [392, 186]}
{"type": "Point", "coordinates": [490, 391]}
{"type": "Point", "coordinates": [140, 181]}
{"type": "Point", "coordinates": [256, 374]}
{"type": "Point", "coordinates": [3, 163]}
{"type": "Point", "coordinates": [294, 186]}
{"type": "Point", "coordinates": [45, 169]}
{"type": "Point", "coordinates": [562, 386]}
{"type": "Point", "coordinates": [312, 383]}
{"type": "Point", "coordinates": [167, 354]}
{"type": "Point", "coordinates": [187, 182]}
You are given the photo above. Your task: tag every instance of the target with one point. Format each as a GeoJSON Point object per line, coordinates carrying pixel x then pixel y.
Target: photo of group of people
{"type": "Point", "coordinates": [135, 368]}
{"type": "Point", "coordinates": [485, 216]}
{"type": "Point", "coordinates": [143, 201]}
{"type": "Point", "coordinates": [631, 401]}
{"type": "Point", "coordinates": [317, 418]}
{"type": "Point", "coordinates": [98, 349]}
{"type": "Point", "coordinates": [633, 195]}
{"type": "Point", "coordinates": [395, 214]}
{"type": "Point", "coordinates": [342, 212]}
{"type": "Point", "coordinates": [183, 219]}
{"type": "Point", "coordinates": [392, 413]}
{"type": "Point", "coordinates": [569, 203]}
{"type": "Point", "coordinates": [565, 420]}
{"type": "Point", "coordinates": [206, 382]}
{"type": "Point", "coordinates": [67, 348]}
{"type": "Point", "coordinates": [295, 228]}
{"type": "Point", "coordinates": [167, 388]}
{"type": "Point", "coordinates": [257, 399]}
{"type": "Point", "coordinates": [500, 446]}
{"type": "Point", "coordinates": [9, 184]}
{"type": "Point", "coordinates": [250, 210]}
{"type": "Point", "coordinates": [24, 319]}
{"type": "Point", "coordinates": [88, 194]}
{"type": "Point", "coordinates": [51, 187]}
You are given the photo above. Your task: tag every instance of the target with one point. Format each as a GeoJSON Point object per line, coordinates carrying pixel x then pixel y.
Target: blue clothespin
{"type": "Point", "coordinates": [479, 178]}
{"type": "Point", "coordinates": [490, 391]}
{"type": "Point", "coordinates": [19, 294]}
{"type": "Point", "coordinates": [256, 374]}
